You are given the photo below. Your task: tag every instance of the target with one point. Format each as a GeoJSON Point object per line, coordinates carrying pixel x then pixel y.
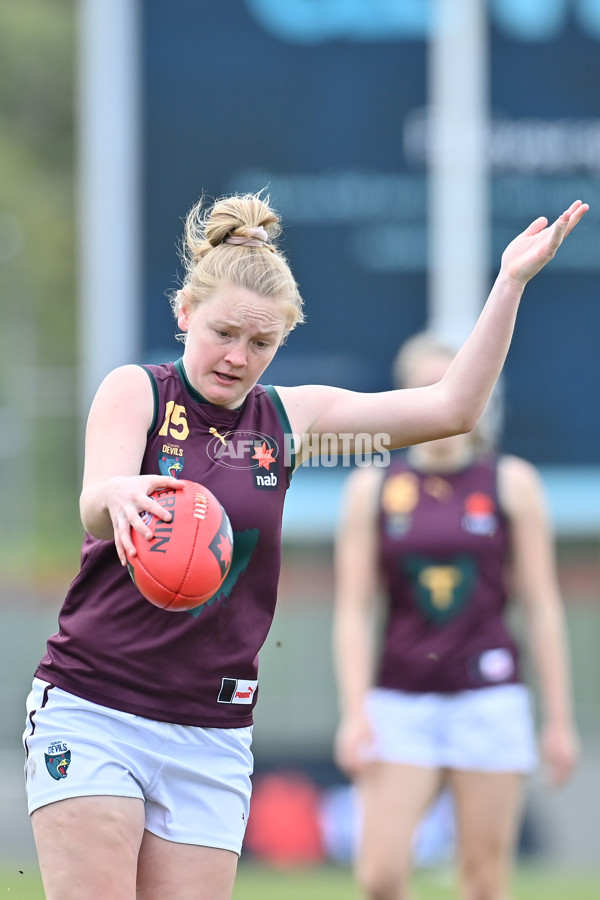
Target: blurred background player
{"type": "Point", "coordinates": [447, 533]}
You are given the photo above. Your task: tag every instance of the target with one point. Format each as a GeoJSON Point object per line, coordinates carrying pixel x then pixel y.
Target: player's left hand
{"type": "Point", "coordinates": [353, 743]}
{"type": "Point", "coordinates": [537, 245]}
{"type": "Point", "coordinates": [560, 752]}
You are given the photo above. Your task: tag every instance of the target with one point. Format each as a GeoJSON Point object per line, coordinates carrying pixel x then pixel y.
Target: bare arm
{"type": "Point", "coordinates": [114, 493]}
{"type": "Point", "coordinates": [455, 404]}
{"type": "Point", "coordinates": [355, 592]}
{"type": "Point", "coordinates": [536, 585]}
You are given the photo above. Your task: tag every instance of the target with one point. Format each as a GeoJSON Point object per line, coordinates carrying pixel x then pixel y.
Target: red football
{"type": "Point", "coordinates": [187, 560]}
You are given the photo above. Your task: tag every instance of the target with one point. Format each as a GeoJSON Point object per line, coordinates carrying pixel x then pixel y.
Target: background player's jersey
{"type": "Point", "coordinates": [193, 668]}
{"type": "Point", "coordinates": [444, 545]}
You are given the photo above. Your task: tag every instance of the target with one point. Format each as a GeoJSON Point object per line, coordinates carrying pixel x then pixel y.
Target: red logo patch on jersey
{"type": "Point", "coordinates": [264, 455]}
{"type": "Point", "coordinates": [479, 516]}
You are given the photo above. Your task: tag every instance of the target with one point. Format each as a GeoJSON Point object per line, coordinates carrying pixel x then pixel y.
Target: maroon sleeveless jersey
{"type": "Point", "coordinates": [444, 545]}
{"type": "Point", "coordinates": [192, 668]}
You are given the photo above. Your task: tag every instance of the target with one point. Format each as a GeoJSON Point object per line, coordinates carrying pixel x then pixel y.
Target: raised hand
{"type": "Point", "coordinates": [533, 248]}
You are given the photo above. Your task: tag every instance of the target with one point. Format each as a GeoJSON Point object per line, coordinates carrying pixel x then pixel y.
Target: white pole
{"type": "Point", "coordinates": [458, 176]}
{"type": "Point", "coordinates": [108, 189]}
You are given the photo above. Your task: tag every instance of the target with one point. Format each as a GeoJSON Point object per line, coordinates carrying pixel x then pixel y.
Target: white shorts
{"type": "Point", "coordinates": [487, 730]}
{"type": "Point", "coordinates": [195, 782]}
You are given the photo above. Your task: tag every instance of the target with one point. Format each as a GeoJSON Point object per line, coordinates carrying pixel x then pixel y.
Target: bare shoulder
{"type": "Point", "coordinates": [125, 394]}
{"type": "Point", "coordinates": [125, 386]}
{"type": "Point", "coordinates": [520, 485]}
{"type": "Point", "coordinates": [130, 376]}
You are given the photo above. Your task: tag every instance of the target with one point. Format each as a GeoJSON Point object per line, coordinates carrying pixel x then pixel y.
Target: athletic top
{"type": "Point", "coordinates": [115, 648]}
{"type": "Point", "coordinates": [444, 544]}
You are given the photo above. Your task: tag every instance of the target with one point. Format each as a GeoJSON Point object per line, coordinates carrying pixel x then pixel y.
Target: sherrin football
{"type": "Point", "coordinates": [187, 559]}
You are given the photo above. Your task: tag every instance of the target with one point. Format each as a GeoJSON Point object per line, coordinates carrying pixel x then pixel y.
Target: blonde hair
{"type": "Point", "coordinates": [259, 266]}
{"type": "Point", "coordinates": [424, 344]}
{"type": "Point", "coordinates": [486, 434]}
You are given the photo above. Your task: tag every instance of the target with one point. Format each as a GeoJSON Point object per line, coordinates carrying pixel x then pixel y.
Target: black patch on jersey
{"type": "Point", "coordinates": [227, 691]}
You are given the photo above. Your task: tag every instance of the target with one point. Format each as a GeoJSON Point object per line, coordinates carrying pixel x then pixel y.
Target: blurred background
{"type": "Point", "coordinates": [404, 142]}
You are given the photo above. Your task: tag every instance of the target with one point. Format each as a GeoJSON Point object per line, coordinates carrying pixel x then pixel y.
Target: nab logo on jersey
{"type": "Point", "coordinates": [266, 482]}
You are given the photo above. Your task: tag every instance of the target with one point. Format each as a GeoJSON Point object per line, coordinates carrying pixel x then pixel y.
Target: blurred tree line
{"type": "Point", "coordinates": [40, 445]}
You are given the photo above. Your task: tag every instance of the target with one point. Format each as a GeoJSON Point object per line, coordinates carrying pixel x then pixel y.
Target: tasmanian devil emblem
{"type": "Point", "coordinates": [58, 760]}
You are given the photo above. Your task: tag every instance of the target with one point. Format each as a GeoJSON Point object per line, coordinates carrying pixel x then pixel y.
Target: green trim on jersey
{"type": "Point", "coordinates": [285, 422]}
{"type": "Point", "coordinates": [155, 395]}
{"type": "Point", "coordinates": [180, 369]}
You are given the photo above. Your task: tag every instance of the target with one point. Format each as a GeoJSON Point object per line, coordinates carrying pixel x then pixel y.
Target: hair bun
{"type": "Point", "coordinates": [245, 220]}
{"type": "Point", "coordinates": [248, 216]}
{"type": "Point", "coordinates": [249, 237]}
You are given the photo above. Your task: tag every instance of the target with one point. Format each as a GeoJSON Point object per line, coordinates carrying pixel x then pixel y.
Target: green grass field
{"type": "Point", "coordinates": [332, 883]}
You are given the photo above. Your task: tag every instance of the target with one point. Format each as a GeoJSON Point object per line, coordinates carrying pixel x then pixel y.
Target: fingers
{"type": "Point", "coordinates": [559, 772]}
{"type": "Point", "coordinates": [571, 216]}
{"type": "Point", "coordinates": [560, 755]}
{"type": "Point", "coordinates": [351, 763]}
{"type": "Point", "coordinates": [563, 226]}
{"type": "Point", "coordinates": [576, 205]}
{"type": "Point", "coordinates": [146, 504]}
{"type": "Point", "coordinates": [565, 222]}
{"type": "Point", "coordinates": [132, 509]}
{"type": "Point", "coordinates": [143, 507]}
{"type": "Point", "coordinates": [537, 225]}
{"type": "Point", "coordinates": [165, 481]}
{"type": "Point", "coordinates": [123, 542]}
{"type": "Point", "coordinates": [575, 213]}
{"type": "Point", "coordinates": [353, 750]}
{"type": "Point", "coordinates": [129, 521]}
{"type": "Point", "coordinates": [162, 483]}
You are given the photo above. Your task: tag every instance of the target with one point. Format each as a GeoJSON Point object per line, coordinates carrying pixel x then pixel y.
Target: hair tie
{"type": "Point", "coordinates": [256, 237]}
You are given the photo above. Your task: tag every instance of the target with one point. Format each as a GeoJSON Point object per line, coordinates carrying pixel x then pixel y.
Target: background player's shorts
{"type": "Point", "coordinates": [487, 730]}
{"type": "Point", "coordinates": [195, 782]}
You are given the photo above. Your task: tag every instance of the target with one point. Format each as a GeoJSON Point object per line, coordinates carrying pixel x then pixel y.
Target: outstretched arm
{"type": "Point", "coordinates": [455, 404]}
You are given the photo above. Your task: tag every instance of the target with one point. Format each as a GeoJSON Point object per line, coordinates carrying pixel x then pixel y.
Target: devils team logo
{"type": "Point", "coordinates": [58, 760]}
{"type": "Point", "coordinates": [170, 465]}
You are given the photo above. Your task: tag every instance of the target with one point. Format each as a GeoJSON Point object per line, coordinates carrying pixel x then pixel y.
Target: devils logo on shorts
{"type": "Point", "coordinates": [58, 760]}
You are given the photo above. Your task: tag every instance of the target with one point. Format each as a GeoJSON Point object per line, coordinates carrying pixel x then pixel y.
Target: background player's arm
{"type": "Point", "coordinates": [355, 592]}
{"type": "Point", "coordinates": [535, 581]}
